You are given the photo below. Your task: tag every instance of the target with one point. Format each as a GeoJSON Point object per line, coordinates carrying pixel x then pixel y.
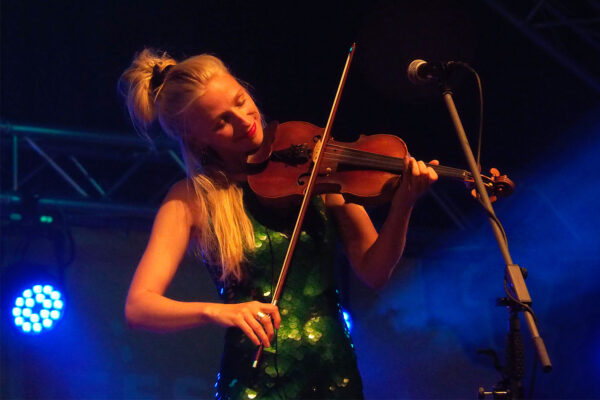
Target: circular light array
{"type": "Point", "coordinates": [37, 309]}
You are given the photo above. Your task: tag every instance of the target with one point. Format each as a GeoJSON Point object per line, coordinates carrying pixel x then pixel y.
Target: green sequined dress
{"type": "Point", "coordinates": [312, 356]}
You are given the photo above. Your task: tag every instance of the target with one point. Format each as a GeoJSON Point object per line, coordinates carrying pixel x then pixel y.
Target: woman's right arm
{"type": "Point", "coordinates": [146, 307]}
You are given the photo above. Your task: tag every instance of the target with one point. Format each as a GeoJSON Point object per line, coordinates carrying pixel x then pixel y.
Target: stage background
{"type": "Point", "coordinates": [417, 337]}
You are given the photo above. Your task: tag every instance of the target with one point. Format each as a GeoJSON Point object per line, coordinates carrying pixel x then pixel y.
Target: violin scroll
{"type": "Point", "coordinates": [496, 185]}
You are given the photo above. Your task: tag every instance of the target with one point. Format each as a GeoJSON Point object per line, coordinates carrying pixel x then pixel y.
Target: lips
{"type": "Point", "coordinates": [252, 131]}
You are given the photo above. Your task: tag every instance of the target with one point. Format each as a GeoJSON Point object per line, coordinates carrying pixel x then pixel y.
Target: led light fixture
{"type": "Point", "coordinates": [37, 309]}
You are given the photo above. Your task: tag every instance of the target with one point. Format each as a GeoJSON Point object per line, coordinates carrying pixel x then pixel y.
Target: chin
{"type": "Point", "coordinates": [257, 140]}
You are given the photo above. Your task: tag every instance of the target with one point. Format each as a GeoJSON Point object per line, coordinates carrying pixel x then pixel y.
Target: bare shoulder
{"type": "Point", "coordinates": [182, 190]}
{"type": "Point", "coordinates": [182, 200]}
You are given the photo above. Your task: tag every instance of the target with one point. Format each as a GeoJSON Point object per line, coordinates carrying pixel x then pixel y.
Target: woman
{"type": "Point", "coordinates": [308, 351]}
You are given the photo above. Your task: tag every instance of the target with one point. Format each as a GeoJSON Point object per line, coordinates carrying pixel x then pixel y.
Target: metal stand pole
{"type": "Point", "coordinates": [513, 274]}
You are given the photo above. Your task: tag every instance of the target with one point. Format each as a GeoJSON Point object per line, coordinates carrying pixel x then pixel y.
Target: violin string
{"type": "Point", "coordinates": [386, 162]}
{"type": "Point", "coordinates": [365, 154]}
{"type": "Point", "coordinates": [390, 161]}
{"type": "Point", "coordinates": [364, 162]}
{"type": "Point", "coordinates": [444, 171]}
{"type": "Point", "coordinates": [380, 161]}
{"type": "Point", "coordinates": [392, 166]}
{"type": "Point", "coordinates": [449, 171]}
{"type": "Point", "coordinates": [395, 167]}
{"type": "Point", "coordinates": [366, 158]}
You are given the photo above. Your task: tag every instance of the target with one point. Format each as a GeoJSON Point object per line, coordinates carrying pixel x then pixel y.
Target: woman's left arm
{"type": "Point", "coordinates": [373, 255]}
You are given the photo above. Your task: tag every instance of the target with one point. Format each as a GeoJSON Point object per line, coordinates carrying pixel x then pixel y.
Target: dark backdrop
{"type": "Point", "coordinates": [416, 338]}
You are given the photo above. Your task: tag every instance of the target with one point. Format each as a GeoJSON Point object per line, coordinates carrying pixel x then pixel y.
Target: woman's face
{"type": "Point", "coordinates": [226, 120]}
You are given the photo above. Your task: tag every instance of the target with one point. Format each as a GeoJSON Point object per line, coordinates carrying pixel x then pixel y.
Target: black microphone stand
{"type": "Point", "coordinates": [518, 296]}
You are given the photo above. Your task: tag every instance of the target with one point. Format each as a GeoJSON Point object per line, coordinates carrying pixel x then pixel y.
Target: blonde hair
{"type": "Point", "coordinates": [225, 231]}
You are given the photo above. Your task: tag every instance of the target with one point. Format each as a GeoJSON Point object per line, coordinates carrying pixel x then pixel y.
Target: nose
{"type": "Point", "coordinates": [243, 119]}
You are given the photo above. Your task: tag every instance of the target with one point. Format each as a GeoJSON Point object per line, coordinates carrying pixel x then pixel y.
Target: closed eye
{"type": "Point", "coordinates": [220, 124]}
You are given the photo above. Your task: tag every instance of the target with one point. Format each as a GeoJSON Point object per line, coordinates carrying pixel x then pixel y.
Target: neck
{"type": "Point", "coordinates": [233, 166]}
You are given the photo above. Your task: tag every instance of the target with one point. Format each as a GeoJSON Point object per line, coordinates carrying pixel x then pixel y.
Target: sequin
{"type": "Point", "coordinates": [293, 322]}
{"type": "Point", "coordinates": [313, 330]}
{"type": "Point", "coordinates": [271, 371]}
{"type": "Point", "coordinates": [295, 334]}
{"type": "Point", "coordinates": [312, 354]}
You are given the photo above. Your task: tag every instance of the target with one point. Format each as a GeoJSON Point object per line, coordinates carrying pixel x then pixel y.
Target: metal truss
{"type": "Point", "coordinates": [569, 30]}
{"type": "Point", "coordinates": [88, 177]}
{"type": "Point", "coordinates": [97, 179]}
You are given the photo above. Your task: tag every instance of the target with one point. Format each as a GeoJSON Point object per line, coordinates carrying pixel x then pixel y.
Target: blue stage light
{"type": "Point", "coordinates": [347, 320]}
{"type": "Point", "coordinates": [37, 309]}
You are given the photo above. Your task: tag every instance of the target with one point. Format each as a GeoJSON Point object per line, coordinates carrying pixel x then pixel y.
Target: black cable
{"type": "Point", "coordinates": [523, 305]}
{"type": "Point", "coordinates": [480, 90]}
{"type": "Point", "coordinates": [480, 140]}
{"type": "Point", "coordinates": [495, 219]}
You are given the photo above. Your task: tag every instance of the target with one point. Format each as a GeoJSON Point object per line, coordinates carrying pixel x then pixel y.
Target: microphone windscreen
{"type": "Point", "coordinates": [413, 71]}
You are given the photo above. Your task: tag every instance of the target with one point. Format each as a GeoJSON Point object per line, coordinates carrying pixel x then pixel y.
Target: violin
{"type": "Point", "coordinates": [365, 172]}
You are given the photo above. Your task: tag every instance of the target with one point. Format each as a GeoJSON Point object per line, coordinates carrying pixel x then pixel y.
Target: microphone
{"type": "Point", "coordinates": [421, 71]}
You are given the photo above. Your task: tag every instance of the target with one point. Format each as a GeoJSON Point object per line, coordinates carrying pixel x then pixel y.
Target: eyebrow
{"type": "Point", "coordinates": [236, 98]}
{"type": "Point", "coordinates": [239, 94]}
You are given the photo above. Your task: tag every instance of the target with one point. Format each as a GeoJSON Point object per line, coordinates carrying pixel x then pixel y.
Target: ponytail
{"type": "Point", "coordinates": [140, 85]}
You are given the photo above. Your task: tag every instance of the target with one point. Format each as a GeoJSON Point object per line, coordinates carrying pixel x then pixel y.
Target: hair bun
{"type": "Point", "coordinates": [158, 76]}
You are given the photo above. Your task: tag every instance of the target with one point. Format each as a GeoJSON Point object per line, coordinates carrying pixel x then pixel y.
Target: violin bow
{"type": "Point", "coordinates": [308, 192]}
